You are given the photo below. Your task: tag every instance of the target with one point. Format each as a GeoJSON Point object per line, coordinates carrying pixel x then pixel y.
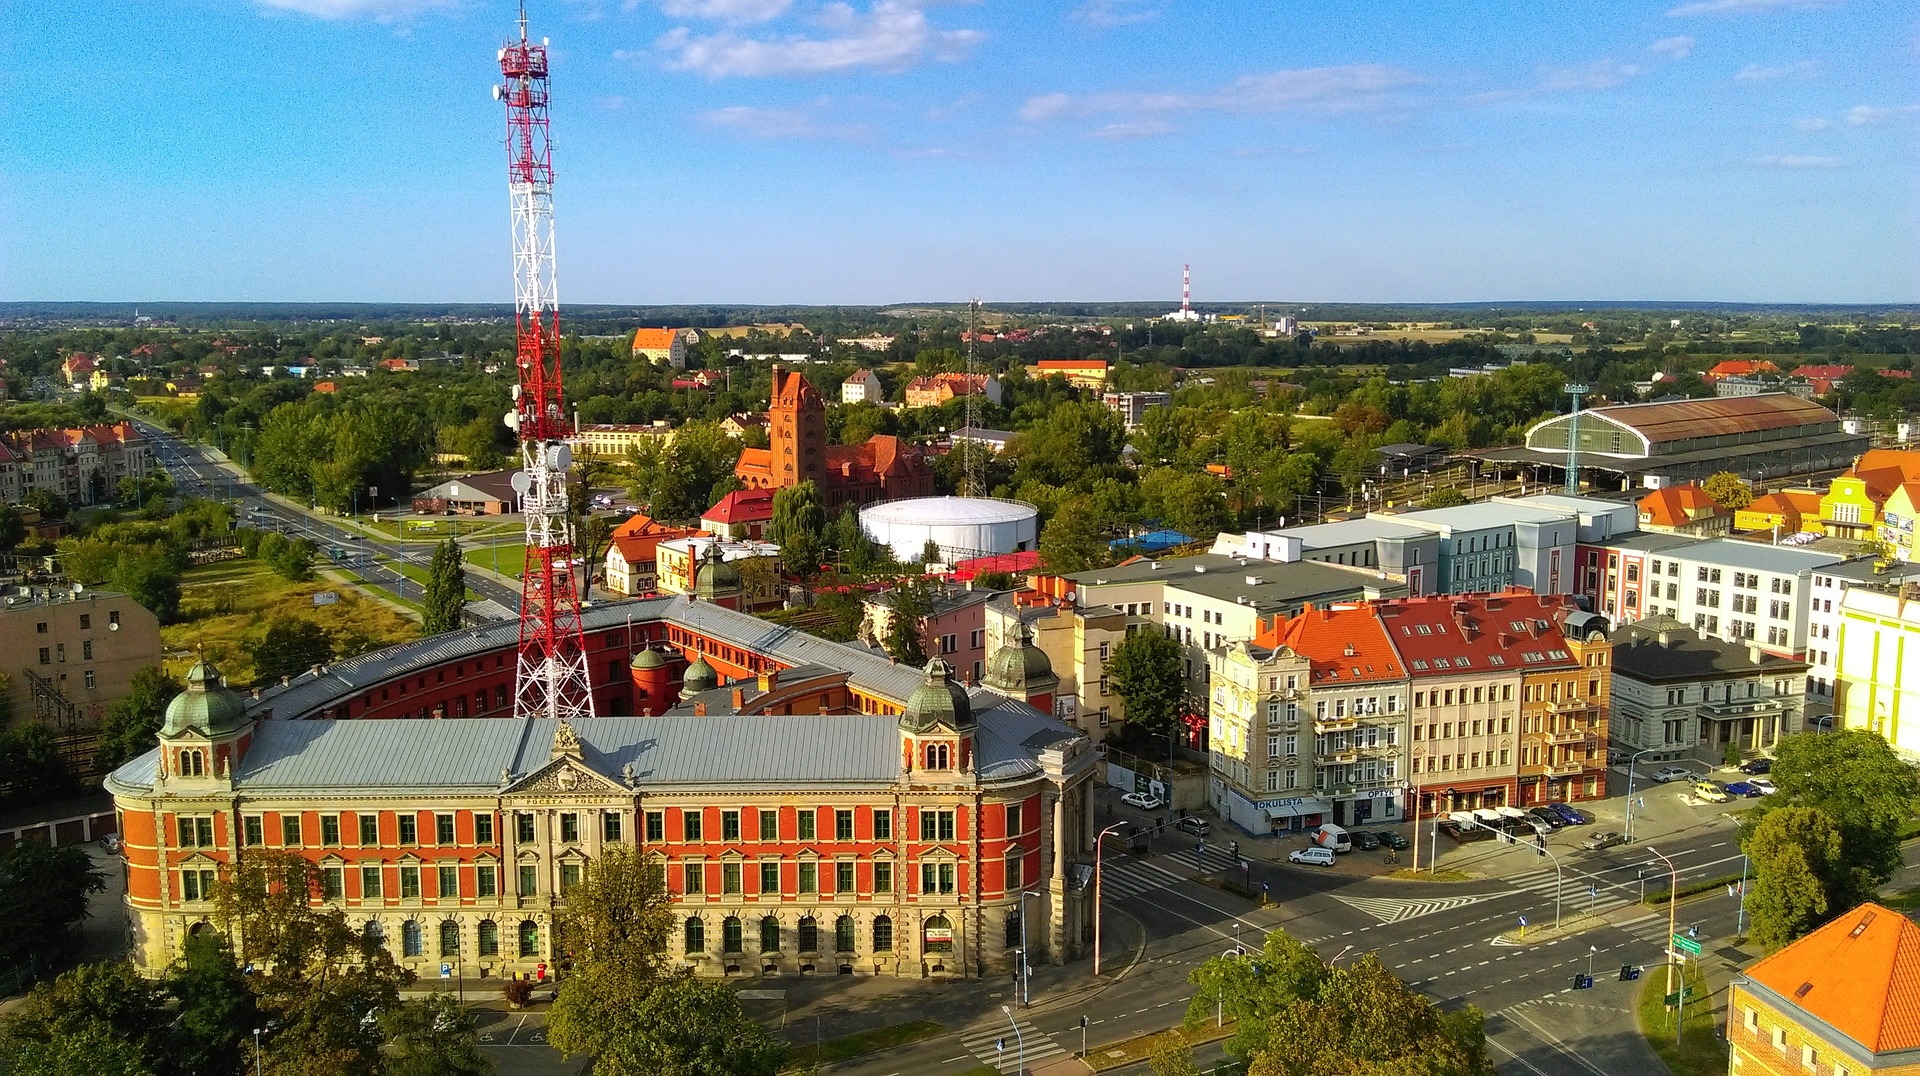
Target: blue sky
{"type": "Point", "coordinates": [879, 151]}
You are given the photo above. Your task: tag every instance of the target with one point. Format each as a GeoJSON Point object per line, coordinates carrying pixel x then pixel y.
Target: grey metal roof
{"type": "Point", "coordinates": [1639, 654]}
{"type": "Point", "coordinates": [871, 672]}
{"type": "Point", "coordinates": [1651, 543]}
{"type": "Point", "coordinates": [1866, 570]}
{"type": "Point", "coordinates": [1482, 515]}
{"type": "Point", "coordinates": [1734, 553]}
{"type": "Point", "coordinates": [1275, 584]}
{"type": "Point", "coordinates": [1348, 532]}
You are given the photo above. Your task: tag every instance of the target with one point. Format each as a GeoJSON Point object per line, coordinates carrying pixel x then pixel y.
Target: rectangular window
{"type": "Point", "coordinates": [447, 885]}
{"type": "Point", "coordinates": [529, 879]}
{"type": "Point", "coordinates": [570, 826]}
{"type": "Point", "coordinates": [290, 830]}
{"type": "Point", "coordinates": [196, 832]}
{"type": "Point", "coordinates": [843, 825]}
{"type": "Point", "coordinates": [1013, 880]}
{"type": "Point", "coordinates": [196, 885]}
{"type": "Point", "coordinates": [254, 832]}
{"type": "Point", "coordinates": [443, 829]}
{"type": "Point", "coordinates": [843, 878]}
{"type": "Point", "coordinates": [690, 825]}
{"type": "Point", "coordinates": [369, 882]}
{"type": "Point", "coordinates": [770, 878]}
{"type": "Point", "coordinates": [883, 825]}
{"type": "Point", "coordinates": [808, 818]}
{"type": "Point", "coordinates": [610, 826]}
{"type": "Point", "coordinates": [936, 878]}
{"type": "Point", "coordinates": [883, 877]}
{"type": "Point", "coordinates": [330, 830]}
{"type": "Point", "coordinates": [410, 883]}
{"type": "Point", "coordinates": [1013, 819]}
{"type": "Point", "coordinates": [936, 825]}
{"type": "Point", "coordinates": [523, 827]}
{"type": "Point", "coordinates": [730, 826]}
{"type": "Point", "coordinates": [730, 878]}
{"type": "Point", "coordinates": [333, 885]}
{"type": "Point", "coordinates": [809, 877]}
{"type": "Point", "coordinates": [486, 880]}
{"type": "Point", "coordinates": [569, 876]}
{"type": "Point", "coordinates": [769, 824]}
{"type": "Point", "coordinates": [483, 829]}
{"type": "Point", "coordinates": [656, 826]}
{"type": "Point", "coordinates": [409, 828]}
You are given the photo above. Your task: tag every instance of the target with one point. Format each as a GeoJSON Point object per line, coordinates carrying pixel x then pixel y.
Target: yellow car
{"type": "Point", "coordinates": [1711, 791]}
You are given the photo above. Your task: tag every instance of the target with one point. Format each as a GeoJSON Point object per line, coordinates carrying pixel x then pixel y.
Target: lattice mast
{"type": "Point", "coordinates": [1575, 389]}
{"type": "Point", "coordinates": [1186, 291]}
{"type": "Point", "coordinates": [550, 679]}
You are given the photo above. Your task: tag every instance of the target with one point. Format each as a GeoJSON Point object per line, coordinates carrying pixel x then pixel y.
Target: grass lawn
{"type": "Point", "coordinates": [1140, 1047]}
{"type": "Point", "coordinates": [1906, 901]}
{"type": "Point", "coordinates": [436, 529]}
{"type": "Point", "coordinates": [420, 575]}
{"type": "Point", "coordinates": [863, 1042]}
{"type": "Point", "coordinates": [225, 608]}
{"type": "Point", "coordinates": [512, 558]}
{"type": "Point", "coordinates": [1700, 1051]}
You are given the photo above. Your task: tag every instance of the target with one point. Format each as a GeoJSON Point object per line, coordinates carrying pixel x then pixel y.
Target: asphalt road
{"type": "Point", "coordinates": [195, 474]}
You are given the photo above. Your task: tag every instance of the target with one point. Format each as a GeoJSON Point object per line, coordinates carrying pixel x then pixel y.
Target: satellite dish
{"type": "Point", "coordinates": [516, 392]}
{"type": "Point", "coordinates": [496, 93]}
{"type": "Point", "coordinates": [560, 457]}
{"type": "Point", "coordinates": [521, 483]}
{"type": "Point", "coordinates": [512, 420]}
{"type": "Point", "coordinates": [501, 55]}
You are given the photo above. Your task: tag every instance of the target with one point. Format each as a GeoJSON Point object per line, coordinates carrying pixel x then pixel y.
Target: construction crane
{"type": "Point", "coordinates": [550, 675]}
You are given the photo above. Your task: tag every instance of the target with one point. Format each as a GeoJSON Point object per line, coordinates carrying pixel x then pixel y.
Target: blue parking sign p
{"type": "Point", "coordinates": [446, 971]}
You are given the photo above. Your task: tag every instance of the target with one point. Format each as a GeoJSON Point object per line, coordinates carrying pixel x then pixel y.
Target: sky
{"type": "Point", "coordinates": [894, 151]}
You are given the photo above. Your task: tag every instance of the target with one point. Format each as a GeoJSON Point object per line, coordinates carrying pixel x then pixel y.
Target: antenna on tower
{"type": "Point", "coordinates": [1186, 292]}
{"type": "Point", "coordinates": [1575, 389]}
{"type": "Point", "coordinates": [970, 476]}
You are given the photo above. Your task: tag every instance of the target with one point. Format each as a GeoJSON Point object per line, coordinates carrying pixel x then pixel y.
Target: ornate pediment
{"type": "Point", "coordinates": [566, 776]}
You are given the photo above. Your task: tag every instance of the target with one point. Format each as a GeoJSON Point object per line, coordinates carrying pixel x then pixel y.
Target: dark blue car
{"type": "Point", "coordinates": [1744, 788]}
{"type": "Point", "coordinates": [1568, 815]}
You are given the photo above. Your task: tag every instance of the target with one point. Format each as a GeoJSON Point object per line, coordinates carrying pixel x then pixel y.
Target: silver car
{"type": "Point", "coordinates": [1669, 773]}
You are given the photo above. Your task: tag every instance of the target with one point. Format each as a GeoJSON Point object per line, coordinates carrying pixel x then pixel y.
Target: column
{"type": "Point", "coordinates": [1057, 886]}
{"type": "Point", "coordinates": [1089, 829]}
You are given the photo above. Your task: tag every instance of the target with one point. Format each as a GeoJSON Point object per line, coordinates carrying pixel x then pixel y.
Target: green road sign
{"type": "Point", "coordinates": [1686, 945]}
{"type": "Point", "coordinates": [1678, 996]}
{"type": "Point", "coordinates": [1672, 999]}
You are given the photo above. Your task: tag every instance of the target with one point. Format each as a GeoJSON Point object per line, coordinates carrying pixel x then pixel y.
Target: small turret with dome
{"type": "Point", "coordinates": [652, 680]}
{"type": "Point", "coordinates": [717, 581]}
{"type": "Point", "coordinates": [700, 676]}
{"type": "Point", "coordinates": [937, 725]}
{"type": "Point", "coordinates": [206, 727]}
{"type": "Point", "coordinates": [1023, 671]}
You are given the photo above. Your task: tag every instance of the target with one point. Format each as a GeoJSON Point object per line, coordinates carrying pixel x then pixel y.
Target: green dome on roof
{"type": "Point", "coordinates": [716, 578]}
{"type": "Point", "coordinates": [700, 677]}
{"type": "Point", "coordinates": [1020, 667]}
{"type": "Point", "coordinates": [206, 706]}
{"type": "Point", "coordinates": [648, 658]}
{"type": "Point", "coordinates": [939, 701]}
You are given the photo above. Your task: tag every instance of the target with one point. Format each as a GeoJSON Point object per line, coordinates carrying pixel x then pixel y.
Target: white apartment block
{"type": "Point", "coordinates": [1738, 591]}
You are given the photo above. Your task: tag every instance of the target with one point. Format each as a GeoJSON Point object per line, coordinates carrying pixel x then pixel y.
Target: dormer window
{"type": "Point", "coordinates": [193, 763]}
{"type": "Point", "coordinates": [938, 757]}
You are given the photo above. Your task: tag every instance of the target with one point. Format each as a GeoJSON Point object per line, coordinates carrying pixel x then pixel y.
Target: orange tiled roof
{"type": "Point", "coordinates": [654, 339]}
{"type": "Point", "coordinates": [1677, 506]}
{"type": "Point", "coordinates": [1742, 367]}
{"type": "Point", "coordinates": [1467, 632]}
{"type": "Point", "coordinates": [1071, 364]}
{"type": "Point", "coordinates": [1859, 974]}
{"type": "Point", "coordinates": [1346, 644]}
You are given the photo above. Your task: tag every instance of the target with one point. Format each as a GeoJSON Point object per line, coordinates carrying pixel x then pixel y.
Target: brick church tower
{"type": "Point", "coordinates": [796, 430]}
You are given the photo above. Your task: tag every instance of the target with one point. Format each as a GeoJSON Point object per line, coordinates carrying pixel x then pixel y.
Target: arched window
{"type": "Point", "coordinates": [883, 935]}
{"type": "Point", "coordinates": [936, 935]}
{"type": "Point", "coordinates": [730, 935]}
{"type": "Point", "coordinates": [192, 764]}
{"type": "Point", "coordinates": [375, 934]}
{"type": "Point", "coordinates": [411, 941]}
{"type": "Point", "coordinates": [696, 932]}
{"type": "Point", "coordinates": [809, 935]}
{"type": "Point", "coordinates": [937, 756]}
{"type": "Point", "coordinates": [489, 938]}
{"type": "Point", "coordinates": [769, 935]}
{"type": "Point", "coordinates": [529, 938]}
{"type": "Point", "coordinates": [843, 934]}
{"type": "Point", "coordinates": [450, 938]}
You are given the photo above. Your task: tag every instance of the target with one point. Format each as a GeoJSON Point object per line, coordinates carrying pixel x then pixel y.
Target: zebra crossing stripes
{"type": "Point", "coordinates": [1389, 910]}
{"type": "Point", "coordinates": [998, 1045]}
{"type": "Point", "coordinates": [1132, 877]}
{"type": "Point", "coordinates": [1212, 860]}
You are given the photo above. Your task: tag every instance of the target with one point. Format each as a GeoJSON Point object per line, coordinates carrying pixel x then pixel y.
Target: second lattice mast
{"type": "Point", "coordinates": [550, 680]}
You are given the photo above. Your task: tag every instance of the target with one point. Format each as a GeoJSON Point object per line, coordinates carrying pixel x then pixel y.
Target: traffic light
{"type": "Point", "coordinates": [1628, 973]}
{"type": "Point", "coordinates": [1583, 981]}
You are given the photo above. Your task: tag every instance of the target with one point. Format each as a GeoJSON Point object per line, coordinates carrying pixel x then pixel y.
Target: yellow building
{"type": "Point", "coordinates": [612, 440]}
{"type": "Point", "coordinates": [1788, 511]}
{"type": "Point", "coordinates": [661, 346]}
{"type": "Point", "coordinates": [1852, 506]}
{"type": "Point", "coordinates": [1838, 1002]}
{"type": "Point", "coordinates": [1897, 519]}
{"type": "Point", "coordinates": [1877, 674]}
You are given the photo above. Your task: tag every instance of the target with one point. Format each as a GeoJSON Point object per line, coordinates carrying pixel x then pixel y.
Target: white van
{"type": "Point", "coordinates": [1332, 836]}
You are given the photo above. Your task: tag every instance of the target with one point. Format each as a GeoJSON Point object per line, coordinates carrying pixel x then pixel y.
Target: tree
{"type": "Point", "coordinates": [95, 1020]}
{"type": "Point", "coordinates": [910, 604]}
{"type": "Point", "coordinates": [1445, 497]}
{"type": "Point", "coordinates": [446, 598]}
{"type": "Point", "coordinates": [43, 893]}
{"type": "Point", "coordinates": [290, 647]}
{"type": "Point", "coordinates": [216, 1007]}
{"type": "Point", "coordinates": [694, 1027]}
{"type": "Point", "coordinates": [12, 527]}
{"type": "Point", "coordinates": [1171, 1055]}
{"type": "Point", "coordinates": [1147, 670]}
{"type": "Point", "coordinates": [432, 1036]}
{"type": "Point", "coordinates": [133, 721]}
{"type": "Point", "coordinates": [1853, 776]}
{"type": "Point", "coordinates": [49, 504]}
{"type": "Point", "coordinates": [1727, 490]}
{"type": "Point", "coordinates": [930, 552]}
{"type": "Point", "coordinates": [613, 929]}
{"type": "Point", "coordinates": [151, 578]}
{"type": "Point", "coordinates": [1249, 989]}
{"type": "Point", "coordinates": [799, 527]}
{"type": "Point", "coordinates": [1072, 540]}
{"type": "Point", "coordinates": [1364, 1020]}
{"type": "Point", "coordinates": [1798, 870]}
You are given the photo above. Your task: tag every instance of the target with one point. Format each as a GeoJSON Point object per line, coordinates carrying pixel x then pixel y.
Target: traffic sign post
{"type": "Point", "coordinates": [1686, 945]}
{"type": "Point", "coordinates": [1523, 928]}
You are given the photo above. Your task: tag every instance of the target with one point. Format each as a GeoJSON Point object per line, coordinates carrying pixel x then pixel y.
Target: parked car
{"type": "Point", "coordinates": [1599, 839]}
{"type": "Point", "coordinates": [1568, 814]}
{"type": "Point", "coordinates": [1196, 826]}
{"type": "Point", "coordinates": [1333, 837]}
{"type": "Point", "coordinates": [1548, 815]}
{"type": "Point", "coordinates": [1393, 840]}
{"type": "Point", "coordinates": [1146, 801]}
{"type": "Point", "coordinates": [1757, 765]}
{"type": "Point", "coordinates": [1711, 791]}
{"type": "Point", "coordinates": [1617, 757]}
{"type": "Point", "coordinates": [1765, 786]}
{"type": "Point", "coordinates": [1313, 856]}
{"type": "Point", "coordinates": [1364, 841]}
{"type": "Point", "coordinates": [1743, 788]}
{"type": "Point", "coordinates": [1669, 773]}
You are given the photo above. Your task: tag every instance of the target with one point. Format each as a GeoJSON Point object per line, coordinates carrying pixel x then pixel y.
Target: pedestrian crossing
{"type": "Point", "coordinates": [1390, 910]}
{"type": "Point", "coordinates": [1130, 876]}
{"type": "Point", "coordinates": [999, 1045]}
{"type": "Point", "coordinates": [1578, 893]}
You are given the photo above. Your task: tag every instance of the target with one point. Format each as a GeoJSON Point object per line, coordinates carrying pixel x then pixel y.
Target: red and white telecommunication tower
{"type": "Point", "coordinates": [550, 680]}
{"type": "Point", "coordinates": [1186, 292]}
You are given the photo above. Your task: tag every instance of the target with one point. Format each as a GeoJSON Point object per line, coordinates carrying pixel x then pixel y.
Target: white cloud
{"type": "Point", "coordinates": [779, 123]}
{"type": "Point", "coordinates": [1326, 90]}
{"type": "Point", "coordinates": [733, 11]}
{"type": "Point", "coordinates": [377, 10]}
{"type": "Point", "coordinates": [1799, 69]}
{"type": "Point", "coordinates": [1114, 12]}
{"type": "Point", "coordinates": [1813, 123]}
{"type": "Point", "coordinates": [612, 103]}
{"type": "Point", "coordinates": [1875, 115]}
{"type": "Point", "coordinates": [1743, 7]}
{"type": "Point", "coordinates": [1673, 48]}
{"type": "Point", "coordinates": [1129, 130]}
{"type": "Point", "coordinates": [892, 35]}
{"type": "Point", "coordinates": [1598, 75]}
{"type": "Point", "coordinates": [1793, 160]}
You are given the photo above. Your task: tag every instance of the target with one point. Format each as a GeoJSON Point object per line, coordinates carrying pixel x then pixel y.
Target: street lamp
{"type": "Point", "coordinates": [1026, 964]}
{"type": "Point", "coordinates": [1018, 1038]}
{"type": "Point", "coordinates": [1096, 894]}
{"type": "Point", "coordinates": [1626, 837]}
{"type": "Point", "coordinates": [256, 1052]}
{"type": "Point", "coordinates": [1673, 890]}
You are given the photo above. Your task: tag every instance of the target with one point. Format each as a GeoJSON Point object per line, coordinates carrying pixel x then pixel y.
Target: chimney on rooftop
{"type": "Point", "coordinates": [739, 698]}
{"type": "Point", "coordinates": [1753, 653]}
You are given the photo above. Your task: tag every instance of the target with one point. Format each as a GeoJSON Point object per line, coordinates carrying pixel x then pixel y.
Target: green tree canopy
{"type": "Point", "coordinates": [1147, 670]}
{"type": "Point", "coordinates": [1727, 490]}
{"type": "Point", "coordinates": [614, 927]}
{"type": "Point", "coordinates": [1073, 541]}
{"type": "Point", "coordinates": [911, 603]}
{"type": "Point", "coordinates": [446, 596]}
{"type": "Point", "coordinates": [799, 527]}
{"type": "Point", "coordinates": [290, 646]}
{"type": "Point", "coordinates": [43, 892]}
{"type": "Point", "coordinates": [133, 721]}
{"type": "Point", "coordinates": [1798, 871]}
{"type": "Point", "coordinates": [1853, 776]}
{"type": "Point", "coordinates": [694, 1027]}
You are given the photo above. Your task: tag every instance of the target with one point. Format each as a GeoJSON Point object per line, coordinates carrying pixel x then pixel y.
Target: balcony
{"type": "Point", "coordinates": [1570, 706]}
{"type": "Point", "coordinates": [1759, 706]}
{"type": "Point", "coordinates": [1573, 736]}
{"type": "Point", "coordinates": [1339, 758]}
{"type": "Point", "coordinates": [1335, 724]}
{"type": "Point", "coordinates": [1566, 769]}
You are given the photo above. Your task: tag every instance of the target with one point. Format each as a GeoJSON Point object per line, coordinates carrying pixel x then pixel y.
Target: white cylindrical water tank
{"type": "Point", "coordinates": [963, 527]}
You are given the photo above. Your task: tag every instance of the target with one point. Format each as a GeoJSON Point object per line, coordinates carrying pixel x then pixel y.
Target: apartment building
{"type": "Point", "coordinates": [1878, 683]}
{"type": "Point", "coordinates": [75, 650]}
{"type": "Point", "coordinates": [1738, 591]}
{"type": "Point", "coordinates": [954, 627]}
{"type": "Point", "coordinates": [1824, 616]}
{"type": "Point", "coordinates": [1078, 641]}
{"type": "Point", "coordinates": [1617, 579]}
{"type": "Point", "coordinates": [1835, 1003]}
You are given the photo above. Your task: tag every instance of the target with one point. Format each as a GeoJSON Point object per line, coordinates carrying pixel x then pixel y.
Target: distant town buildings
{"type": "Point", "coordinates": [741, 515]}
{"type": "Point", "coordinates": [862, 387]}
{"type": "Point", "coordinates": [1684, 509]}
{"type": "Point", "coordinates": [487, 494]}
{"type": "Point", "coordinates": [936, 389]}
{"type": "Point", "coordinates": [661, 346]}
{"type": "Point", "coordinates": [82, 465]}
{"type": "Point", "coordinates": [632, 555]}
{"type": "Point", "coordinates": [884, 468]}
{"type": "Point", "coordinates": [614, 440]}
{"type": "Point", "coordinates": [1132, 407]}
{"type": "Point", "coordinates": [1080, 373]}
